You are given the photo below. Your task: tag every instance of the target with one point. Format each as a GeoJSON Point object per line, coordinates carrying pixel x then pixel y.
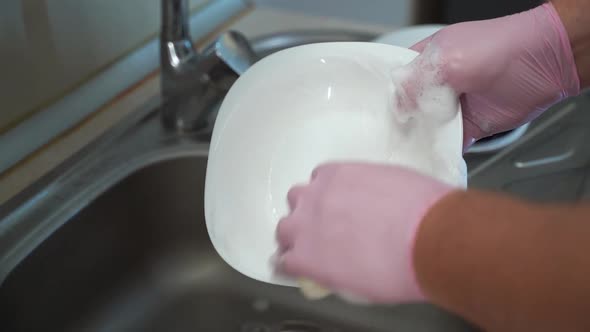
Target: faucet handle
{"type": "Point", "coordinates": [228, 57]}
{"type": "Point", "coordinates": [234, 49]}
{"type": "Point", "coordinates": [193, 90]}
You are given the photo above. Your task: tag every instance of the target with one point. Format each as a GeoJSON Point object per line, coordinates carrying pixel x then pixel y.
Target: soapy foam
{"type": "Point", "coordinates": [423, 110]}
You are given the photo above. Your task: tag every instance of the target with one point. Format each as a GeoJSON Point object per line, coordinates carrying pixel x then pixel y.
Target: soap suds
{"type": "Point", "coordinates": [424, 109]}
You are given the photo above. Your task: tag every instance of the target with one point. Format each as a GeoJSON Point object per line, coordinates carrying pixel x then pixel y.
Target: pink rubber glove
{"type": "Point", "coordinates": [508, 70]}
{"type": "Point", "coordinates": [352, 228]}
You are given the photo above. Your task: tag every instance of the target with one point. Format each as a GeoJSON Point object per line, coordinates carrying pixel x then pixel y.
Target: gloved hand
{"type": "Point", "coordinates": [351, 230]}
{"type": "Point", "coordinates": [507, 70]}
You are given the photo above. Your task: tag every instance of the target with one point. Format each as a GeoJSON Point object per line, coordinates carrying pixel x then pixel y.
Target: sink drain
{"type": "Point", "coordinates": [301, 326]}
{"type": "Point", "coordinates": [286, 326]}
{"type": "Point", "coordinates": [255, 327]}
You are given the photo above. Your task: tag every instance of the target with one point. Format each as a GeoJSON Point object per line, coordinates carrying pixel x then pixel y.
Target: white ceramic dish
{"type": "Point", "coordinates": [291, 112]}
{"type": "Point", "coordinates": [408, 36]}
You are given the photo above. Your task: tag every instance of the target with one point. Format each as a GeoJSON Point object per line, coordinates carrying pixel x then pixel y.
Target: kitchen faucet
{"type": "Point", "coordinates": [193, 83]}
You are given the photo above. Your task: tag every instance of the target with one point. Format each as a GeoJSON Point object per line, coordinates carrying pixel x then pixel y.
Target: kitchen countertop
{"type": "Point", "coordinates": [255, 23]}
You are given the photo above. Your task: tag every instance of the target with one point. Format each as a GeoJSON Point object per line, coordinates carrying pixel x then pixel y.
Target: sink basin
{"type": "Point", "coordinates": [139, 258]}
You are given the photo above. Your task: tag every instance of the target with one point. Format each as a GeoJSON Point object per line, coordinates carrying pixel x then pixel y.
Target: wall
{"type": "Point", "coordinates": [384, 12]}
{"type": "Point", "coordinates": [50, 46]}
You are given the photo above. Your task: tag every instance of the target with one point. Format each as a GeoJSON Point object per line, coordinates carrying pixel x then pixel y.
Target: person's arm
{"type": "Point", "coordinates": [506, 264]}
{"type": "Point", "coordinates": [574, 15]}
{"type": "Point", "coordinates": [511, 265]}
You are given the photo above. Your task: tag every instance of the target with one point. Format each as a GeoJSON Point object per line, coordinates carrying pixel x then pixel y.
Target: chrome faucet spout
{"type": "Point", "coordinates": [175, 19]}
{"type": "Point", "coordinates": [192, 83]}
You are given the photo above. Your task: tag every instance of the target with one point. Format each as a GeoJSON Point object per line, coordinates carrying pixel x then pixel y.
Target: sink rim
{"type": "Point", "coordinates": [136, 142]}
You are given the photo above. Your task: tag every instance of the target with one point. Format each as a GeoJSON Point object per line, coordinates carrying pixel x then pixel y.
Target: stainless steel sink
{"type": "Point", "coordinates": [138, 258]}
{"type": "Point", "coordinates": [115, 240]}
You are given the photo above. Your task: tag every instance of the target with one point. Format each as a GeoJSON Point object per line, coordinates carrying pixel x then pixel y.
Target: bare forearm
{"type": "Point", "coordinates": [507, 265]}
{"type": "Point", "coordinates": [574, 15]}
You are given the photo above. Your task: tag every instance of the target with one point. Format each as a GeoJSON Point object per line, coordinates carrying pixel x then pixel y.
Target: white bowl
{"type": "Point", "coordinates": [293, 111]}
{"type": "Point", "coordinates": [408, 36]}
